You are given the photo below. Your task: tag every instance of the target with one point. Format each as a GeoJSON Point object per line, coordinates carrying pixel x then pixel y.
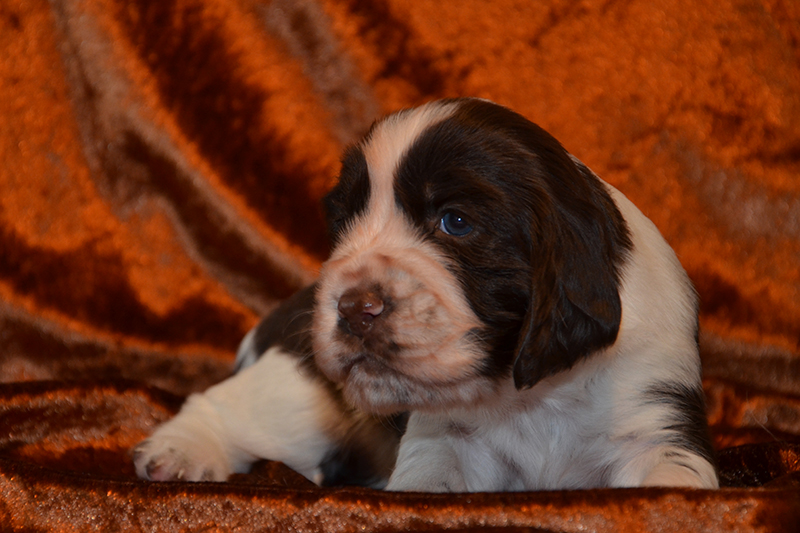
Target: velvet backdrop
{"type": "Point", "coordinates": [161, 165]}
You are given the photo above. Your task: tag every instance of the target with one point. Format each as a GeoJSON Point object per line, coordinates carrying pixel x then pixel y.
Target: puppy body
{"type": "Point", "coordinates": [535, 325]}
{"type": "Point", "coordinates": [602, 423]}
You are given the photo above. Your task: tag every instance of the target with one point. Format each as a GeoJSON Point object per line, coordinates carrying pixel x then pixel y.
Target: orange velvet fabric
{"type": "Point", "coordinates": [161, 166]}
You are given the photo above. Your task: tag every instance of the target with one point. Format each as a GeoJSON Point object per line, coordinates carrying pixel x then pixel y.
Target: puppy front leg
{"type": "Point", "coordinates": [193, 446]}
{"type": "Point", "coordinates": [427, 460]}
{"type": "Point", "coordinates": [270, 410]}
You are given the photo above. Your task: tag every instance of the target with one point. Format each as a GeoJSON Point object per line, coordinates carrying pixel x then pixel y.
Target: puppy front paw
{"type": "Point", "coordinates": [452, 483]}
{"type": "Point", "coordinates": [193, 446]}
{"type": "Point", "coordinates": [179, 458]}
{"type": "Point", "coordinates": [695, 472]}
{"type": "Point", "coordinates": [437, 473]}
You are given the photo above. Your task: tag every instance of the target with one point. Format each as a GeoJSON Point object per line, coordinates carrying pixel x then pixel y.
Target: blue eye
{"type": "Point", "coordinates": [454, 224]}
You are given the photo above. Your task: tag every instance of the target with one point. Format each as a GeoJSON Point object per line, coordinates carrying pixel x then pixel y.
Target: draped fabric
{"type": "Point", "coordinates": [161, 170]}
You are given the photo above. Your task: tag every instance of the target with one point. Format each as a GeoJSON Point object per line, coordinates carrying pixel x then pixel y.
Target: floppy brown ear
{"type": "Point", "coordinates": [575, 306]}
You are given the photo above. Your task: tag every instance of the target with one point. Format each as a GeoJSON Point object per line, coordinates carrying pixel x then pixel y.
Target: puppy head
{"type": "Point", "coordinates": [469, 247]}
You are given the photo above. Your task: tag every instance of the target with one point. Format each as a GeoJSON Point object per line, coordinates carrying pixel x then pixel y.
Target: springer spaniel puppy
{"type": "Point", "coordinates": [493, 317]}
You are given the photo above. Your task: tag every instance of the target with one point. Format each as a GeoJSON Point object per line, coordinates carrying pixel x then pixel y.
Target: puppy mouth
{"type": "Point", "coordinates": [381, 359]}
{"type": "Point", "coordinates": [377, 367]}
{"type": "Point", "coordinates": [367, 363]}
{"type": "Point", "coordinates": [361, 361]}
{"type": "Point", "coordinates": [372, 384]}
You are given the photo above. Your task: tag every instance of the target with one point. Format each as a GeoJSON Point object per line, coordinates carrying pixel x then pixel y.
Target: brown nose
{"type": "Point", "coordinates": [358, 310]}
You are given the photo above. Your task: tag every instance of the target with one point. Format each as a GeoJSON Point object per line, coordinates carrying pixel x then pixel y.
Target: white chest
{"type": "Point", "coordinates": [543, 450]}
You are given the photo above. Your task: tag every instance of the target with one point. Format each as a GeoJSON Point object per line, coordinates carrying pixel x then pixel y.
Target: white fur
{"type": "Point", "coordinates": [267, 410]}
{"type": "Point", "coordinates": [246, 354]}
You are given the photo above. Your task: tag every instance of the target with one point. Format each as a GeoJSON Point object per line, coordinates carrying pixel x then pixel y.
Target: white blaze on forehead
{"type": "Point", "coordinates": [386, 146]}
